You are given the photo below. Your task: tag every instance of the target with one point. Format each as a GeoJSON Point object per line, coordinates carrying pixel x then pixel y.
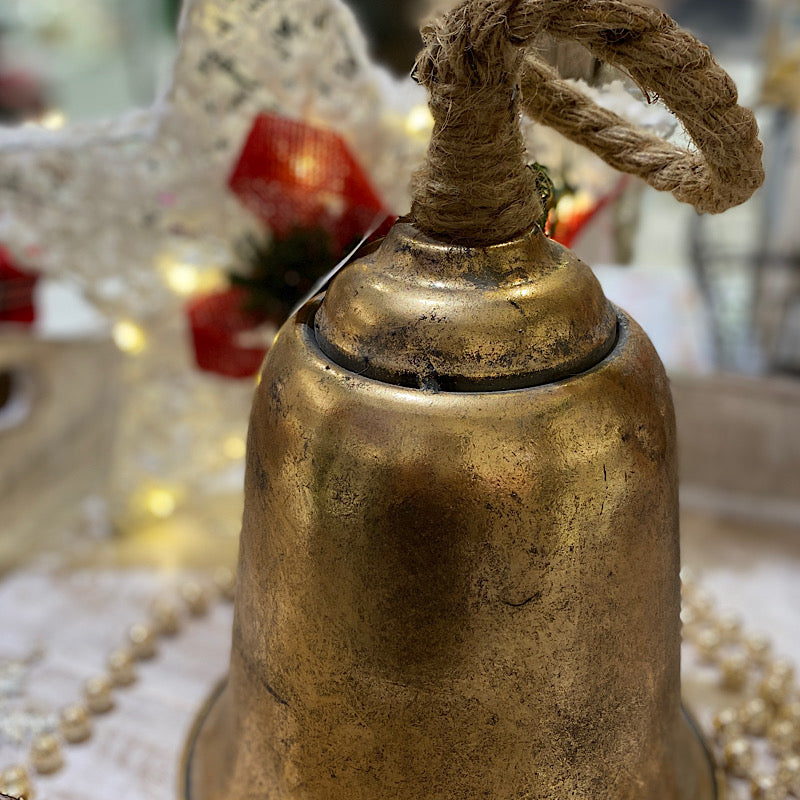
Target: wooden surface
{"type": "Point", "coordinates": [739, 444]}
{"type": "Point", "coordinates": [60, 448]}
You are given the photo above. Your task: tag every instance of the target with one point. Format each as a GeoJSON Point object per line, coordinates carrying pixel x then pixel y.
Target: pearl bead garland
{"type": "Point", "coordinates": [15, 782]}
{"type": "Point", "coordinates": [761, 728]}
{"type": "Point", "coordinates": [142, 641]}
{"type": "Point", "coordinates": [120, 667]}
{"type": "Point", "coordinates": [164, 617]}
{"type": "Point", "coordinates": [75, 726]}
{"type": "Point", "coordinates": [97, 692]}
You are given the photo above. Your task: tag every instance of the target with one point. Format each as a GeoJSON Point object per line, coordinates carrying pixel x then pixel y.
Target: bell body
{"type": "Point", "coordinates": [452, 595]}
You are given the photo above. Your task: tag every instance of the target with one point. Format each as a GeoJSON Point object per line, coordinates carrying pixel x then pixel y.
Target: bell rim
{"type": "Point", "coordinates": [188, 753]}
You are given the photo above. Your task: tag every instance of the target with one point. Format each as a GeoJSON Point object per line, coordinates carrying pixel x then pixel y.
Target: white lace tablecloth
{"type": "Point", "coordinates": [74, 617]}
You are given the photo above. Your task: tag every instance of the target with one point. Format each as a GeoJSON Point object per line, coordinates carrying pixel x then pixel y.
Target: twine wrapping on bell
{"type": "Point", "coordinates": [458, 571]}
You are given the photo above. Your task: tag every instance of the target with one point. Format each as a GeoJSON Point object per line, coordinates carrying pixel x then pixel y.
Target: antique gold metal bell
{"type": "Point", "coordinates": [458, 572]}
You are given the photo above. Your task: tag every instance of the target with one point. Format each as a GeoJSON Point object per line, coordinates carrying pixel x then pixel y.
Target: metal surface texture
{"type": "Point", "coordinates": [427, 314]}
{"type": "Point", "coordinates": [201, 751]}
{"type": "Point", "coordinates": [457, 594]}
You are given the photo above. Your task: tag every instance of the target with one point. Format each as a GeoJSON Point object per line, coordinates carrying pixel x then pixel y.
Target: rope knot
{"type": "Point", "coordinates": [470, 46]}
{"type": "Point", "coordinates": [475, 187]}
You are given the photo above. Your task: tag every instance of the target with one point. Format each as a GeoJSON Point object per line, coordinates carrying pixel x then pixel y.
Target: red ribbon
{"type": "Point", "coordinates": [567, 229]}
{"type": "Point", "coordinates": [293, 175]}
{"type": "Point", "coordinates": [16, 291]}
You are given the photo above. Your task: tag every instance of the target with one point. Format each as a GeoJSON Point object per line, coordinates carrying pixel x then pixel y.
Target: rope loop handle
{"type": "Point", "coordinates": [475, 187]}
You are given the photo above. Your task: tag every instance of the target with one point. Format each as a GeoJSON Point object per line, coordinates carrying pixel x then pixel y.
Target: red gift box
{"type": "Point", "coordinates": [219, 322]}
{"type": "Point", "coordinates": [16, 291]}
{"type": "Point", "coordinates": [293, 175]}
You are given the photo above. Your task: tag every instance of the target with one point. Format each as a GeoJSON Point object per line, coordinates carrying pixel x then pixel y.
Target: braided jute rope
{"type": "Point", "coordinates": [475, 187]}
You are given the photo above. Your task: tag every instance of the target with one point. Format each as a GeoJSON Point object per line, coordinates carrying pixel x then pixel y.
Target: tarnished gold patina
{"type": "Point", "coordinates": [453, 595]}
{"type": "Point", "coordinates": [432, 315]}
